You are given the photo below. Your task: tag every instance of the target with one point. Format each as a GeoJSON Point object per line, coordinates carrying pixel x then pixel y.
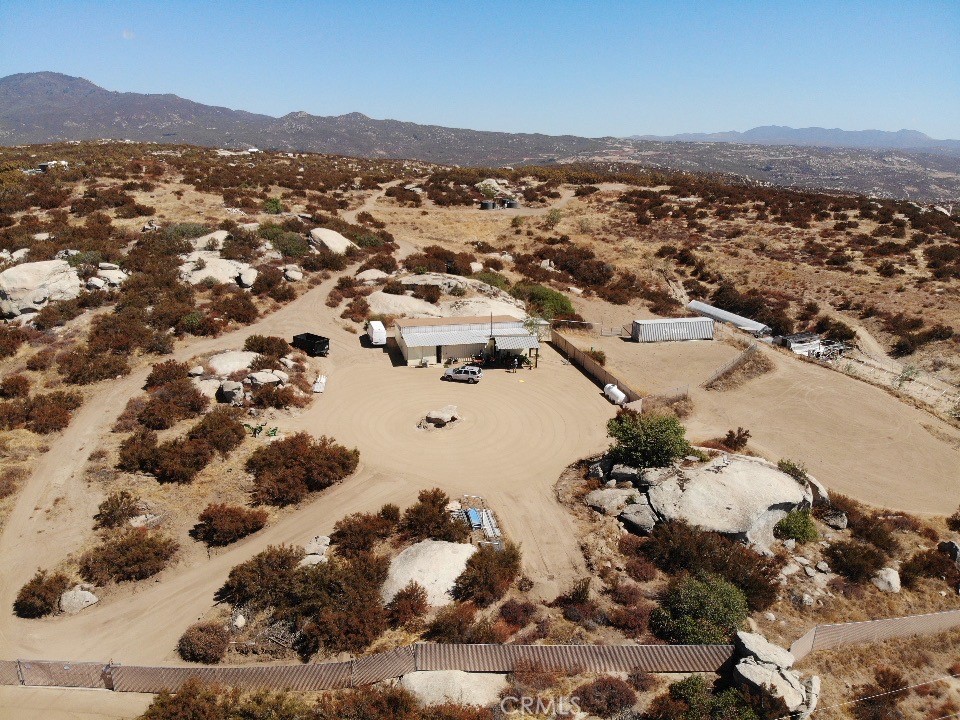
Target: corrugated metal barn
{"type": "Point", "coordinates": [435, 340]}
{"type": "Point", "coordinates": [669, 329]}
{"type": "Point", "coordinates": [738, 321]}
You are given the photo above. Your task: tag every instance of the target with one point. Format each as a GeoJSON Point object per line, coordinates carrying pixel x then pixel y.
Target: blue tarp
{"type": "Point", "coordinates": [474, 517]}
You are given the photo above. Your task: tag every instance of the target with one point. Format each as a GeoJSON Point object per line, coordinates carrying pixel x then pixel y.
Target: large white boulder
{"type": "Point", "coordinates": [382, 303]}
{"type": "Point", "coordinates": [775, 682]}
{"type": "Point", "coordinates": [331, 240]}
{"type": "Point", "coordinates": [112, 276]}
{"type": "Point", "coordinates": [887, 580]}
{"type": "Point", "coordinates": [735, 495]}
{"type": "Point", "coordinates": [202, 264]}
{"type": "Point", "coordinates": [371, 275]}
{"type": "Point", "coordinates": [26, 288]}
{"type": "Point", "coordinates": [231, 361]}
{"type": "Point", "coordinates": [211, 241]}
{"type": "Point", "coordinates": [759, 648]}
{"type": "Point", "coordinates": [446, 414]}
{"type": "Point", "coordinates": [208, 388]}
{"type": "Point", "coordinates": [442, 280]}
{"type": "Point", "coordinates": [434, 564]}
{"type": "Point", "coordinates": [610, 501]}
{"type": "Point", "coordinates": [231, 392]}
{"type": "Point", "coordinates": [264, 377]}
{"type": "Point", "coordinates": [73, 601]}
{"type": "Point", "coordinates": [247, 277]}
{"type": "Point", "coordinates": [433, 687]}
{"type": "Point", "coordinates": [317, 545]}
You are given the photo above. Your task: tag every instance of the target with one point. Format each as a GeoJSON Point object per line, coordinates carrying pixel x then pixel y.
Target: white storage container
{"type": "Point", "coordinates": [614, 394]}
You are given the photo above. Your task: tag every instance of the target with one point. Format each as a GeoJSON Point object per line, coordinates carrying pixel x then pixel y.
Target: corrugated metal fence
{"type": "Point", "coordinates": [574, 658]}
{"type": "Point", "coordinates": [471, 658]}
{"type": "Point", "coordinates": [591, 367]}
{"type": "Point", "coordinates": [827, 637]}
{"type": "Point", "coordinates": [372, 668]}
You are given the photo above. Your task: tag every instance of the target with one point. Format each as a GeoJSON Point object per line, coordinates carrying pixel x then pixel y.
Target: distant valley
{"type": "Point", "coordinates": [48, 107]}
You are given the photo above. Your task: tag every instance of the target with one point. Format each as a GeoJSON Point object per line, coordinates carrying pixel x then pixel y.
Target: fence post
{"type": "Point", "coordinates": [107, 675]}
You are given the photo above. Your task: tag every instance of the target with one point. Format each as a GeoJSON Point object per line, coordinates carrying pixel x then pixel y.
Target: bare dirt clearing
{"type": "Point", "coordinates": [856, 438]}
{"type": "Point", "coordinates": [519, 432]}
{"type": "Point", "coordinates": [28, 703]}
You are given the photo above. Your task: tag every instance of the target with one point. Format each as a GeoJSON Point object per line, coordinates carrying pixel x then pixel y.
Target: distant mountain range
{"type": "Point", "coordinates": [46, 107]}
{"type": "Point", "coordinates": [819, 137]}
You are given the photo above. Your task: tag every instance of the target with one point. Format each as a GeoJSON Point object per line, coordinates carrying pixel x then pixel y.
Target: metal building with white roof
{"type": "Point", "coordinates": [746, 324]}
{"type": "Point", "coordinates": [425, 341]}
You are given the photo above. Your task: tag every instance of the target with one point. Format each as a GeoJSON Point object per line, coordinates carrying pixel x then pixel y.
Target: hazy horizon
{"type": "Point", "coordinates": [561, 68]}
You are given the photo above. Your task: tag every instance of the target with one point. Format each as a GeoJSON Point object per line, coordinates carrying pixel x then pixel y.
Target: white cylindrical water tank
{"type": "Point", "coordinates": [614, 394]}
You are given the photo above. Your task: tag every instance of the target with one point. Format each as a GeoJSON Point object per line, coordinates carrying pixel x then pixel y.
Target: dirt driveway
{"type": "Point", "coordinates": [519, 432]}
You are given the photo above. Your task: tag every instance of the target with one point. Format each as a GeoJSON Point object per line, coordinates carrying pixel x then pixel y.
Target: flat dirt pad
{"type": "Point", "coordinates": [856, 438]}
{"type": "Point", "coordinates": [653, 368]}
{"type": "Point", "coordinates": [26, 703]}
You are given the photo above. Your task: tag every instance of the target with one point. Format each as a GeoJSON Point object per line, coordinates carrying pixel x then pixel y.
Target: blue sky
{"type": "Point", "coordinates": [585, 68]}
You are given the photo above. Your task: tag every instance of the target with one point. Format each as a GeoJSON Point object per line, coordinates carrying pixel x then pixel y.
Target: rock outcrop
{"type": "Point", "coordinates": [202, 264]}
{"type": "Point", "coordinates": [229, 362]}
{"type": "Point", "coordinates": [611, 501]}
{"type": "Point", "coordinates": [765, 669]}
{"type": "Point", "coordinates": [434, 564]}
{"type": "Point", "coordinates": [639, 517]}
{"type": "Point", "coordinates": [432, 687]}
{"type": "Point", "coordinates": [26, 288]}
{"type": "Point", "coordinates": [737, 495]}
{"type": "Point", "coordinates": [887, 580]}
{"type": "Point", "coordinates": [762, 650]}
{"type": "Point", "coordinates": [73, 601]}
{"type": "Point", "coordinates": [444, 416]}
{"type": "Point", "coordinates": [230, 392]}
{"type": "Point", "coordinates": [331, 240]}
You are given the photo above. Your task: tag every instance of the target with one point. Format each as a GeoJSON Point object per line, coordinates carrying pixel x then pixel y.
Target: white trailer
{"type": "Point", "coordinates": [670, 329]}
{"type": "Point", "coordinates": [376, 332]}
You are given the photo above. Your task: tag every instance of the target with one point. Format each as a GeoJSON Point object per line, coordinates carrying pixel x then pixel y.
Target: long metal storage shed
{"type": "Point", "coordinates": [434, 340]}
{"type": "Point", "coordinates": [738, 321]}
{"type": "Point", "coordinates": [668, 329]}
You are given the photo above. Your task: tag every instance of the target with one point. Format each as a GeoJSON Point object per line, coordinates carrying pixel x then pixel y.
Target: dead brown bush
{"type": "Point", "coordinates": [221, 524]}
{"type": "Point", "coordinates": [204, 642]}
{"type": "Point", "coordinates": [132, 554]}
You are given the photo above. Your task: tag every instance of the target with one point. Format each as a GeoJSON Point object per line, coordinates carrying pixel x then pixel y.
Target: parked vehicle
{"type": "Point", "coordinates": [468, 373]}
{"type": "Point", "coordinates": [376, 332]}
{"type": "Point", "coordinates": [313, 345]}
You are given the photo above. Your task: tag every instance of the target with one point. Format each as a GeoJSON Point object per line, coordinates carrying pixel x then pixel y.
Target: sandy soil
{"type": "Point", "coordinates": [856, 438]}
{"type": "Point", "coordinates": [519, 432]}
{"type": "Point", "coordinates": [21, 703]}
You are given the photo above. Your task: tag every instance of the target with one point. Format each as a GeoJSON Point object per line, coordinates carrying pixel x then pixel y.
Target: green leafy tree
{"type": "Point", "coordinates": [701, 610]}
{"type": "Point", "coordinates": [645, 441]}
{"type": "Point", "coordinates": [272, 206]}
{"type": "Point", "coordinates": [797, 525]}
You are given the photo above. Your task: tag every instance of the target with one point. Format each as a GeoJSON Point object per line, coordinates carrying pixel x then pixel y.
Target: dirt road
{"type": "Point", "coordinates": [519, 431]}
